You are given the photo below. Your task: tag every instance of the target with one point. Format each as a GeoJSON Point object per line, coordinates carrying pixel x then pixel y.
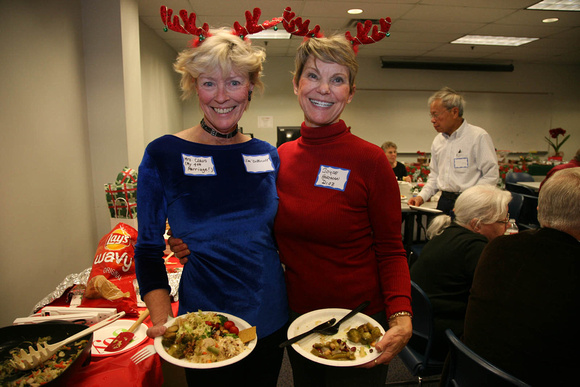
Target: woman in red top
{"type": "Point", "coordinates": [338, 225]}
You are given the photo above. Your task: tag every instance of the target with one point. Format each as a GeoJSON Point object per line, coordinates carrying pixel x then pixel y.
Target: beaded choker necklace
{"type": "Point", "coordinates": [215, 133]}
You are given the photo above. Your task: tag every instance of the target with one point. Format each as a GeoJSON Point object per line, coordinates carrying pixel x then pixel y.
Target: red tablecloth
{"type": "Point", "coordinates": [119, 370]}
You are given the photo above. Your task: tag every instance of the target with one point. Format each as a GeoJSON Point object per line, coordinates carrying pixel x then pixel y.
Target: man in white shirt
{"type": "Point", "coordinates": [462, 155]}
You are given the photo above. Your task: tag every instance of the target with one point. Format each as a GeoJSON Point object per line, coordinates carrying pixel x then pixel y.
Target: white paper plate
{"type": "Point", "coordinates": [241, 324]}
{"type": "Point", "coordinates": [310, 320]}
{"type": "Point", "coordinates": [426, 209]}
{"type": "Point", "coordinates": [403, 197]}
{"type": "Point", "coordinates": [103, 337]}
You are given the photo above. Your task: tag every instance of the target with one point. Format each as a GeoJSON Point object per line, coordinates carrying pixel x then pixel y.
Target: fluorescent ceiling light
{"type": "Point", "coordinates": [557, 5]}
{"type": "Point", "coordinates": [355, 11]}
{"type": "Point", "coordinates": [493, 40]}
{"type": "Point", "coordinates": [271, 34]}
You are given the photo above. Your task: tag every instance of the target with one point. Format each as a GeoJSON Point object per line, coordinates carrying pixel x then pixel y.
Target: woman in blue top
{"type": "Point", "coordinates": [216, 187]}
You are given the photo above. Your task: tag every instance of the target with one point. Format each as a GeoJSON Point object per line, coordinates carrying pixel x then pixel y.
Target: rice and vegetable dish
{"type": "Point", "coordinates": [44, 373]}
{"type": "Point", "coordinates": [203, 337]}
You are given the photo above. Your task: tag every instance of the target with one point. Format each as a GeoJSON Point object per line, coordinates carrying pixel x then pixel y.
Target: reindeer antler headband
{"type": "Point", "coordinates": [190, 28]}
{"type": "Point", "coordinates": [295, 26]}
{"type": "Point", "coordinates": [300, 28]}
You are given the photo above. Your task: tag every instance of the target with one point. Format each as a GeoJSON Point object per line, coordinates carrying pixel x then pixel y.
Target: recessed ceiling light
{"type": "Point", "coordinates": [550, 20]}
{"type": "Point", "coordinates": [557, 5]}
{"type": "Point", "coordinates": [355, 11]}
{"type": "Point", "coordinates": [493, 40]}
{"type": "Point", "coordinates": [271, 34]}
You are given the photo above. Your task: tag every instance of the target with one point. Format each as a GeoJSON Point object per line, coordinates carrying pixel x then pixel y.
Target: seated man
{"type": "Point", "coordinates": [522, 312]}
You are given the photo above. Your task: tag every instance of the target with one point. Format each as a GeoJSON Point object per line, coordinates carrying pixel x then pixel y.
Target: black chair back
{"type": "Point", "coordinates": [515, 206]}
{"type": "Point", "coordinates": [514, 177]}
{"type": "Point", "coordinates": [468, 369]}
{"type": "Point", "coordinates": [513, 187]}
{"type": "Point", "coordinates": [417, 354]}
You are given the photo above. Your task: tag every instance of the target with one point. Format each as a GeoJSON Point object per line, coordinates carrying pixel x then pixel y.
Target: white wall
{"type": "Point", "coordinates": [47, 221]}
{"type": "Point", "coordinates": [517, 108]}
{"type": "Point", "coordinates": [57, 149]}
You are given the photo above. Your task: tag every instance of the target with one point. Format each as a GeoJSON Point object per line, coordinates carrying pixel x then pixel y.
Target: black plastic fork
{"type": "Point", "coordinates": [333, 330]}
{"type": "Point", "coordinates": [316, 329]}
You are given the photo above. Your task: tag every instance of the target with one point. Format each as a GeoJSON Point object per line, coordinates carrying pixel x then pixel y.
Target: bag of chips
{"type": "Point", "coordinates": [110, 284]}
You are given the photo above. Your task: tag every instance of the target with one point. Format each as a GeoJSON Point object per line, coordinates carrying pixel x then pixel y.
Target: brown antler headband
{"type": "Point", "coordinates": [190, 28]}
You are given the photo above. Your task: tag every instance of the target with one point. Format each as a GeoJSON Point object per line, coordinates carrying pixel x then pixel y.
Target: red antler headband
{"type": "Point", "coordinates": [190, 28]}
{"type": "Point", "coordinates": [297, 27]}
{"type": "Point", "coordinates": [300, 28]}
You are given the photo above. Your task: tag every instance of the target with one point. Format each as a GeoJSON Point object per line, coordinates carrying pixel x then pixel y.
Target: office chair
{"type": "Point", "coordinates": [468, 369]}
{"type": "Point", "coordinates": [417, 356]}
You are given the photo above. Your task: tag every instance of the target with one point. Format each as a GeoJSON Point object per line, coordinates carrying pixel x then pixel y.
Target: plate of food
{"type": "Point", "coordinates": [353, 345]}
{"type": "Point", "coordinates": [215, 339]}
{"type": "Point", "coordinates": [104, 336]}
{"type": "Point", "coordinates": [403, 197]}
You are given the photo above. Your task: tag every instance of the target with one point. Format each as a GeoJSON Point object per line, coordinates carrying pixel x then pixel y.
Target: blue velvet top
{"type": "Point", "coordinates": [221, 200]}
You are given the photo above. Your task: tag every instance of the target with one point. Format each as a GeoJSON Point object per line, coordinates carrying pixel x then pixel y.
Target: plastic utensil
{"type": "Point", "coordinates": [34, 357]}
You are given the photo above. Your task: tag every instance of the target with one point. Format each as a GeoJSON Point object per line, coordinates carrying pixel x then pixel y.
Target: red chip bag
{"type": "Point", "coordinates": [110, 284]}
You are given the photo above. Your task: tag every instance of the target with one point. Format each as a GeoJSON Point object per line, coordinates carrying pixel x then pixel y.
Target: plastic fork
{"type": "Point", "coordinates": [333, 330]}
{"type": "Point", "coordinates": [316, 329]}
{"type": "Point", "coordinates": [143, 354]}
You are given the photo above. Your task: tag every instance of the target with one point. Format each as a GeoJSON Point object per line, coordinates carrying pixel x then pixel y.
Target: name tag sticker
{"type": "Point", "coordinates": [460, 162]}
{"type": "Point", "coordinates": [258, 163]}
{"type": "Point", "coordinates": [198, 165]}
{"type": "Point", "coordinates": [332, 177]}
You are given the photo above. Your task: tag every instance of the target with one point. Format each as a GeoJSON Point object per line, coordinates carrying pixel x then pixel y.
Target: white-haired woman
{"type": "Point", "coordinates": [447, 263]}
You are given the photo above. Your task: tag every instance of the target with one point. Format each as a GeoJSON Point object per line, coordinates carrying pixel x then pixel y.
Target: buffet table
{"type": "Point", "coordinates": [118, 370]}
{"type": "Point", "coordinates": [115, 369]}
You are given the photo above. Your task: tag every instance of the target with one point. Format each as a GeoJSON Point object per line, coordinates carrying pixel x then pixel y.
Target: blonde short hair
{"type": "Point", "coordinates": [225, 51]}
{"type": "Point", "coordinates": [333, 49]}
{"type": "Point", "coordinates": [559, 201]}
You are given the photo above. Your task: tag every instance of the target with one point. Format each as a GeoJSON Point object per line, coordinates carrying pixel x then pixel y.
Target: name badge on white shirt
{"type": "Point", "coordinates": [332, 177]}
{"type": "Point", "coordinates": [460, 162]}
{"type": "Point", "coordinates": [198, 165]}
{"type": "Point", "coordinates": [258, 163]}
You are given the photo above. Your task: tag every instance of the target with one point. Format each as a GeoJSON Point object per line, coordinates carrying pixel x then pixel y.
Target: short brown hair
{"type": "Point", "coordinates": [334, 49]}
{"type": "Point", "coordinates": [388, 144]}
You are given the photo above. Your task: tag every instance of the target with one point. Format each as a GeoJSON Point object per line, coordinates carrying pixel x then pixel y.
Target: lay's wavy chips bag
{"type": "Point", "coordinates": [110, 284]}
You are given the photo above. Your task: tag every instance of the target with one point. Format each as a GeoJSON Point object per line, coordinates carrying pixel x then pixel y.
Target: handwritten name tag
{"type": "Point", "coordinates": [198, 165]}
{"type": "Point", "coordinates": [460, 162]}
{"type": "Point", "coordinates": [258, 163]}
{"type": "Point", "coordinates": [332, 177]}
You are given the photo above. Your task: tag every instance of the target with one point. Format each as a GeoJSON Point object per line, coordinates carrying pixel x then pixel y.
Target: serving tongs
{"type": "Point", "coordinates": [34, 357]}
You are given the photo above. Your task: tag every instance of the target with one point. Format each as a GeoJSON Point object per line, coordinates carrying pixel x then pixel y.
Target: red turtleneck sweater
{"type": "Point", "coordinates": [338, 225]}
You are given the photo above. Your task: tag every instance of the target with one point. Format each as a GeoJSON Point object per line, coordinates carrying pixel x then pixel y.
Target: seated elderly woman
{"type": "Point", "coordinates": [447, 263]}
